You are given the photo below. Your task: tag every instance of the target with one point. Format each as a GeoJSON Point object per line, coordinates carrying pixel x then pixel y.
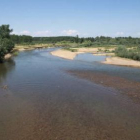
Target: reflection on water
{"type": "Point", "coordinates": [45, 102]}
{"type": "Point", "coordinates": [5, 68]}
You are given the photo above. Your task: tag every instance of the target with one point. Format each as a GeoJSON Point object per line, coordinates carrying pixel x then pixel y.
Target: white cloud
{"type": "Point", "coordinates": [21, 33]}
{"type": "Point", "coordinates": [70, 32]}
{"type": "Point", "coordinates": [14, 33]}
{"type": "Point", "coordinates": [38, 33]}
{"type": "Point", "coordinates": [138, 34]}
{"type": "Point", "coordinates": [105, 34]}
{"type": "Point", "coordinates": [25, 33]}
{"type": "Point", "coordinates": [42, 33]}
{"type": "Point", "coordinates": [48, 33]}
{"type": "Point", "coordinates": [120, 33]}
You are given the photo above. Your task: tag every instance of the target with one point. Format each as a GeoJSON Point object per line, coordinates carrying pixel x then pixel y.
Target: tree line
{"type": "Point", "coordinates": [54, 39]}
{"type": "Point", "coordinates": [90, 41]}
{"type": "Point", "coordinates": [87, 42]}
{"type": "Point", "coordinates": [21, 39]}
{"type": "Point", "coordinates": [7, 41]}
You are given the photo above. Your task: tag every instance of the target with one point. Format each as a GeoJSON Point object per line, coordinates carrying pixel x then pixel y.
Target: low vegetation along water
{"type": "Point", "coordinates": [43, 99]}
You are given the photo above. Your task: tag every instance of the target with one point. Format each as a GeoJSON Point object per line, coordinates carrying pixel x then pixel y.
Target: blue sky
{"type": "Point", "coordinates": [71, 17]}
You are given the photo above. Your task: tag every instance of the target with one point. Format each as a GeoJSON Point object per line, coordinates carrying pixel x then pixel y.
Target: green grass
{"type": "Point", "coordinates": [70, 49]}
{"type": "Point", "coordinates": [15, 53]}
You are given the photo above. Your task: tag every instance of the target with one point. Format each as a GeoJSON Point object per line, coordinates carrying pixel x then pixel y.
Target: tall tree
{"type": "Point", "coordinates": [5, 31]}
{"type": "Point", "coordinates": [6, 45]}
{"type": "Point", "coordinates": [77, 39]}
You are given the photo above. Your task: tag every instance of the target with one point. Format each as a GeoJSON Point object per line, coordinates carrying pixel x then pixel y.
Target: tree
{"type": "Point", "coordinates": [6, 45]}
{"type": "Point", "coordinates": [77, 39]}
{"type": "Point", "coordinates": [81, 40]}
{"type": "Point", "coordinates": [5, 31]}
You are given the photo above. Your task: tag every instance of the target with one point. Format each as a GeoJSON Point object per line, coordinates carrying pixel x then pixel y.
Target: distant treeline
{"type": "Point", "coordinates": [90, 41]}
{"type": "Point", "coordinates": [129, 41]}
{"type": "Point", "coordinates": [21, 39]}
{"type": "Point", "coordinates": [54, 39]}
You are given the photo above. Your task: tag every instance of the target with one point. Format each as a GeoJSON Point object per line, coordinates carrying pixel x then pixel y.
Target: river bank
{"type": "Point", "coordinates": [8, 56]}
{"type": "Point", "coordinates": [121, 62]}
{"type": "Point", "coordinates": [30, 47]}
{"type": "Point", "coordinates": [112, 60]}
{"type": "Point", "coordinates": [71, 53]}
{"type": "Point", "coordinates": [65, 54]}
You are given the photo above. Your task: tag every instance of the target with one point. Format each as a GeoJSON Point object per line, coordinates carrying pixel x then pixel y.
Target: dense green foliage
{"type": "Point", "coordinates": [21, 39]}
{"type": "Point", "coordinates": [128, 53]}
{"type": "Point", "coordinates": [5, 32]}
{"type": "Point", "coordinates": [54, 39]}
{"type": "Point", "coordinates": [87, 42]}
{"type": "Point", "coordinates": [82, 42]}
{"type": "Point", "coordinates": [6, 44]}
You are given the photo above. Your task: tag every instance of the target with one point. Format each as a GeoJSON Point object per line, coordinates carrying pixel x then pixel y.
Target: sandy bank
{"type": "Point", "coordinates": [71, 55]}
{"type": "Point", "coordinates": [65, 54]}
{"type": "Point", "coordinates": [31, 47]}
{"type": "Point", "coordinates": [8, 56]}
{"type": "Point", "coordinates": [22, 49]}
{"type": "Point", "coordinates": [104, 54]}
{"type": "Point", "coordinates": [121, 62]}
{"type": "Point", "coordinates": [94, 50]}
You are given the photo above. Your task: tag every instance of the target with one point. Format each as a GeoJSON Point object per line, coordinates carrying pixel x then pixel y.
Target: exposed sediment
{"type": "Point", "coordinates": [8, 56]}
{"type": "Point", "coordinates": [128, 87]}
{"type": "Point", "coordinates": [65, 54]}
{"type": "Point", "coordinates": [121, 62]}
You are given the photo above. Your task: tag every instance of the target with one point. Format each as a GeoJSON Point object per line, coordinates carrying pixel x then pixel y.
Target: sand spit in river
{"type": "Point", "coordinates": [110, 60]}
{"type": "Point", "coordinates": [121, 62]}
{"type": "Point", "coordinates": [65, 54]}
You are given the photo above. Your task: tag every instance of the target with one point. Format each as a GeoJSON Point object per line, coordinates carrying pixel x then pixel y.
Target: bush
{"type": "Point", "coordinates": [6, 45]}
{"type": "Point", "coordinates": [131, 54]}
{"type": "Point", "coordinates": [15, 53]}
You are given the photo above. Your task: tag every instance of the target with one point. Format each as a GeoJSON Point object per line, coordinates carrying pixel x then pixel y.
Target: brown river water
{"type": "Point", "coordinates": [44, 101]}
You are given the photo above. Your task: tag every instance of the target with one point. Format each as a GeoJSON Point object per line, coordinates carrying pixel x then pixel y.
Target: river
{"type": "Point", "coordinates": [44, 101]}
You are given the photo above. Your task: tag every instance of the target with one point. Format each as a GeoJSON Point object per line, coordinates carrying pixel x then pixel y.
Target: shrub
{"type": "Point", "coordinates": [131, 54]}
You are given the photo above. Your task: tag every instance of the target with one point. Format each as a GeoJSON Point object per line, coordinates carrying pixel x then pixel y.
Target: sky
{"type": "Point", "coordinates": [86, 18]}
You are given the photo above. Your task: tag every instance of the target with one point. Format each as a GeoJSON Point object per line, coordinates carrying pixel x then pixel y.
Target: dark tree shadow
{"type": "Point", "coordinates": [5, 68]}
